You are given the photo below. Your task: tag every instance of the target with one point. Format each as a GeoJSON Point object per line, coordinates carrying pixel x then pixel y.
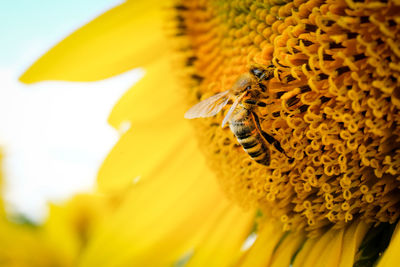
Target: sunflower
{"type": "Point", "coordinates": [20, 241]}
{"type": "Point", "coordinates": [192, 196]}
{"type": "Point", "coordinates": [57, 242]}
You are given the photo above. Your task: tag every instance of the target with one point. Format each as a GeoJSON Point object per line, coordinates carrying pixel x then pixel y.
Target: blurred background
{"type": "Point", "coordinates": [54, 135]}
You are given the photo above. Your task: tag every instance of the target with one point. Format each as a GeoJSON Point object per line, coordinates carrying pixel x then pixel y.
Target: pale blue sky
{"type": "Point", "coordinates": [25, 23]}
{"type": "Point", "coordinates": [54, 134]}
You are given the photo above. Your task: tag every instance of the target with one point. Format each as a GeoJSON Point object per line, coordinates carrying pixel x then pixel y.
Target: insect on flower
{"type": "Point", "coordinates": [246, 93]}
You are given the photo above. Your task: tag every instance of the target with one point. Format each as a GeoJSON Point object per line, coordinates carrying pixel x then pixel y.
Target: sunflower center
{"type": "Point", "coordinates": [332, 105]}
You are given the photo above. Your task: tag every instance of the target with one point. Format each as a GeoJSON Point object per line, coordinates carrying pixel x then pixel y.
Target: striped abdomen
{"type": "Point", "coordinates": [243, 125]}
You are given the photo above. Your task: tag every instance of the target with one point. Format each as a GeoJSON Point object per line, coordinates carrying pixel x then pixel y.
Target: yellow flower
{"type": "Point", "coordinates": [329, 197]}
{"type": "Point", "coordinates": [60, 240]}
{"type": "Point", "coordinates": [2, 211]}
{"type": "Point", "coordinates": [21, 243]}
{"type": "Point", "coordinates": [70, 226]}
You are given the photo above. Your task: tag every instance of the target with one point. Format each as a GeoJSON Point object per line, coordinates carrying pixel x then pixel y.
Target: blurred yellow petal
{"type": "Point", "coordinates": [59, 233]}
{"type": "Point", "coordinates": [327, 251]}
{"type": "Point", "coordinates": [313, 248]}
{"type": "Point", "coordinates": [21, 243]}
{"type": "Point", "coordinates": [139, 151]}
{"type": "Point", "coordinates": [70, 226]}
{"type": "Point", "coordinates": [351, 242]}
{"type": "Point", "coordinates": [391, 256]}
{"type": "Point", "coordinates": [221, 246]}
{"type": "Point", "coordinates": [22, 246]}
{"type": "Point", "coordinates": [156, 95]}
{"type": "Point", "coordinates": [153, 108]}
{"type": "Point", "coordinates": [2, 210]}
{"type": "Point", "coordinates": [286, 250]}
{"type": "Point", "coordinates": [301, 257]}
{"type": "Point", "coordinates": [261, 252]}
{"type": "Point", "coordinates": [333, 248]}
{"type": "Point", "coordinates": [113, 43]}
{"type": "Point", "coordinates": [161, 216]}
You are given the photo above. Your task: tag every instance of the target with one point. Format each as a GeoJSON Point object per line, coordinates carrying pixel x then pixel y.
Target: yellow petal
{"type": "Point", "coordinates": [22, 246]}
{"type": "Point", "coordinates": [321, 251]}
{"type": "Point", "coordinates": [140, 151]}
{"type": "Point", "coordinates": [329, 250]}
{"type": "Point", "coordinates": [123, 38]}
{"type": "Point", "coordinates": [2, 210]}
{"type": "Point", "coordinates": [161, 216]}
{"type": "Point", "coordinates": [58, 232]}
{"type": "Point", "coordinates": [391, 255]}
{"type": "Point", "coordinates": [221, 246]}
{"type": "Point", "coordinates": [285, 251]}
{"type": "Point", "coordinates": [154, 109]}
{"type": "Point", "coordinates": [261, 252]}
{"type": "Point", "coordinates": [301, 257]}
{"type": "Point", "coordinates": [333, 248]}
{"type": "Point", "coordinates": [156, 95]}
{"type": "Point", "coordinates": [70, 225]}
{"type": "Point", "coordinates": [351, 242]}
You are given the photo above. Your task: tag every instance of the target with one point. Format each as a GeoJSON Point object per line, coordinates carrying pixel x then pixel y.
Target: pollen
{"type": "Point", "coordinates": [333, 104]}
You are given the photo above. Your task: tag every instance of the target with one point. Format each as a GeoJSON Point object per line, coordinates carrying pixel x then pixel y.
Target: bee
{"type": "Point", "coordinates": [246, 93]}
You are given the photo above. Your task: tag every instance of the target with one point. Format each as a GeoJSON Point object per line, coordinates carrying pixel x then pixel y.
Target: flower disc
{"type": "Point", "coordinates": [333, 104]}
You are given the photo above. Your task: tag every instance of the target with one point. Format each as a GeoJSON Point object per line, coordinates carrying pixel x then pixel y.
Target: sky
{"type": "Point", "coordinates": [54, 135]}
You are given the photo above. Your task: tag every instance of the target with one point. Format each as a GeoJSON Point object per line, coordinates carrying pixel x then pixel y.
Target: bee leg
{"type": "Point", "coordinates": [252, 102]}
{"type": "Point", "coordinates": [262, 87]}
{"type": "Point", "coordinates": [270, 138]}
{"type": "Point", "coordinates": [273, 142]}
{"type": "Point", "coordinates": [276, 144]}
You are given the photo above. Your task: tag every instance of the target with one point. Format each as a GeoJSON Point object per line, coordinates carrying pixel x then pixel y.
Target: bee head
{"type": "Point", "coordinates": [245, 82]}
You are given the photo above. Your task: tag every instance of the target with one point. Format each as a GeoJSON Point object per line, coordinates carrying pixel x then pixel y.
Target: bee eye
{"type": "Point", "coordinates": [248, 87]}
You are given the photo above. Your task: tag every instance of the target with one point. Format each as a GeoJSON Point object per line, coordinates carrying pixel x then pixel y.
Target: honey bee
{"type": "Point", "coordinates": [246, 93]}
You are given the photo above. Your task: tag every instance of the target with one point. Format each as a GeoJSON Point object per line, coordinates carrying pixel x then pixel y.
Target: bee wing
{"type": "Point", "coordinates": [209, 106]}
{"type": "Point", "coordinates": [233, 107]}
